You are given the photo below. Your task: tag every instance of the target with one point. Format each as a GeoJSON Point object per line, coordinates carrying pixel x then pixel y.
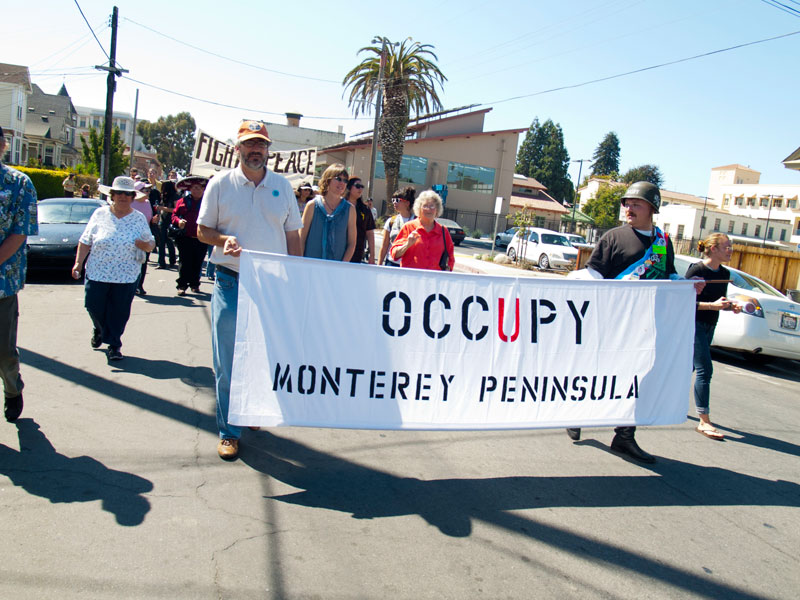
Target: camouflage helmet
{"type": "Point", "coordinates": [644, 190]}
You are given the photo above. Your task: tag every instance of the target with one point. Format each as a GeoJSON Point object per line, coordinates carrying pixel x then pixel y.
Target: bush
{"type": "Point", "coordinates": [48, 182]}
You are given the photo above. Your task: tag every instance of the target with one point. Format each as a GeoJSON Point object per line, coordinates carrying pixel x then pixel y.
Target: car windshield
{"type": "Point", "coordinates": [555, 240]}
{"type": "Point", "coordinates": [576, 239]}
{"type": "Point", "coordinates": [65, 212]}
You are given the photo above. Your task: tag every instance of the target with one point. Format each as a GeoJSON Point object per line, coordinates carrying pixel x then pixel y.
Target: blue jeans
{"type": "Point", "coordinates": [109, 306]}
{"type": "Point", "coordinates": [210, 266]}
{"type": "Point", "coordinates": [703, 368]}
{"type": "Point", "coordinates": [223, 335]}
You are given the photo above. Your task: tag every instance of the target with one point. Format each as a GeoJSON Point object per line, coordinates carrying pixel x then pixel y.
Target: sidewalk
{"type": "Point", "coordinates": [466, 264]}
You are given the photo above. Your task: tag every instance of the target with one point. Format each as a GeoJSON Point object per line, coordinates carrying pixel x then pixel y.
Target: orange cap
{"type": "Point", "coordinates": [249, 130]}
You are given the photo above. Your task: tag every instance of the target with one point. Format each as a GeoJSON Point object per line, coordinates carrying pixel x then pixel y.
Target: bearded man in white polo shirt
{"type": "Point", "coordinates": [248, 207]}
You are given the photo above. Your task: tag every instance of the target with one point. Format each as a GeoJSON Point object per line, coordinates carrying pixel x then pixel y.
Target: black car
{"type": "Point", "coordinates": [456, 233]}
{"type": "Point", "coordinates": [61, 223]}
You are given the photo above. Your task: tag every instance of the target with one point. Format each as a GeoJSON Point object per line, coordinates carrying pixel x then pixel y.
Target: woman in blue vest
{"type": "Point", "coordinates": [329, 221]}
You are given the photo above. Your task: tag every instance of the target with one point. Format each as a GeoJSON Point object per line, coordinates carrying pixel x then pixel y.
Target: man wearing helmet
{"type": "Point", "coordinates": [636, 250]}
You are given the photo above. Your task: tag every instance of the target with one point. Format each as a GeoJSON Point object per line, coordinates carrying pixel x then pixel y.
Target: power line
{"type": "Point", "coordinates": [783, 7]}
{"type": "Point", "coordinates": [92, 30]}
{"type": "Point", "coordinates": [245, 109]}
{"type": "Point", "coordinates": [233, 60]}
{"type": "Point", "coordinates": [650, 68]}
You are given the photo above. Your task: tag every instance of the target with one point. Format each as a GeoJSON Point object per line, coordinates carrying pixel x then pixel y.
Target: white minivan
{"type": "Point", "coordinates": [546, 248]}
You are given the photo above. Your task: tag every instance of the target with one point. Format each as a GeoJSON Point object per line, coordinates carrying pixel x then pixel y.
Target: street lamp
{"type": "Point", "coordinates": [575, 199]}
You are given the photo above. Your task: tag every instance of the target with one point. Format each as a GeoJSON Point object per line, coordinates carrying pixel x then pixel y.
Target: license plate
{"type": "Point", "coordinates": [788, 321]}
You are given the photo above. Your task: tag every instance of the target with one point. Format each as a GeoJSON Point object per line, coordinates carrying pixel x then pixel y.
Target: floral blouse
{"type": "Point", "coordinates": [114, 258]}
{"type": "Point", "coordinates": [17, 216]}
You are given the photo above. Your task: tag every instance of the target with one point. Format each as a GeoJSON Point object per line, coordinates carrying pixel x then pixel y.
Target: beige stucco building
{"type": "Point", "coordinates": [449, 150]}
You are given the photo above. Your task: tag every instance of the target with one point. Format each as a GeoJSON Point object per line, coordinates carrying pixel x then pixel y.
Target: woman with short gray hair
{"type": "Point", "coordinates": [423, 243]}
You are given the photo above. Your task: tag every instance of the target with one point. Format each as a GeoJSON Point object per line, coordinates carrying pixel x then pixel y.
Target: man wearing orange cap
{"type": "Point", "coordinates": [248, 207]}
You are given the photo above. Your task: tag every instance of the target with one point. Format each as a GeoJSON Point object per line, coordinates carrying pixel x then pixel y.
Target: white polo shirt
{"type": "Point", "coordinates": [259, 216]}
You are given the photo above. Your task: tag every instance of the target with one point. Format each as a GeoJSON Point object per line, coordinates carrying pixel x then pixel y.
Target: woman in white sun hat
{"type": "Point", "coordinates": [116, 241]}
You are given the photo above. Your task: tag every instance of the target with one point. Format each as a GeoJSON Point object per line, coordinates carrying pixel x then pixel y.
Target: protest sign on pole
{"type": "Point", "coordinates": [212, 155]}
{"type": "Point", "coordinates": [328, 344]}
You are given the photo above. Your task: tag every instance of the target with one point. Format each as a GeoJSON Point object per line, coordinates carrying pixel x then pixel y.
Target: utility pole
{"type": "Point", "coordinates": [575, 199]}
{"type": "Point", "coordinates": [133, 134]}
{"type": "Point", "coordinates": [378, 103]}
{"type": "Point", "coordinates": [703, 218]}
{"type": "Point", "coordinates": [766, 229]}
{"type": "Point", "coordinates": [111, 85]}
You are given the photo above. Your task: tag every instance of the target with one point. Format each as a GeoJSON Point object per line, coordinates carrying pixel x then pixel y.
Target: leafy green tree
{"type": "Point", "coordinates": [172, 137]}
{"type": "Point", "coordinates": [92, 153]}
{"type": "Point", "coordinates": [544, 157]}
{"type": "Point", "coordinates": [649, 173]}
{"type": "Point", "coordinates": [410, 78]}
{"type": "Point", "coordinates": [604, 207]}
{"type": "Point", "coordinates": [606, 156]}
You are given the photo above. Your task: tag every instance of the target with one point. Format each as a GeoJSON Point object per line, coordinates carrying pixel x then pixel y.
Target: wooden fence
{"type": "Point", "coordinates": [779, 268]}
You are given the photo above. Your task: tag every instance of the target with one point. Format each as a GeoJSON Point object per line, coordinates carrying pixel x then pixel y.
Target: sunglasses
{"type": "Point", "coordinates": [340, 179]}
{"type": "Point", "coordinates": [358, 186]}
{"type": "Point", "coordinates": [129, 194]}
{"type": "Point", "coordinates": [397, 199]}
{"type": "Point", "coordinates": [254, 144]}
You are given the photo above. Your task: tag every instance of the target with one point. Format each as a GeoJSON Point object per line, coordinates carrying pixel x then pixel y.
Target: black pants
{"type": "Point", "coordinates": [192, 251]}
{"type": "Point", "coordinates": [165, 241]}
{"type": "Point", "coordinates": [9, 356]}
{"type": "Point", "coordinates": [109, 306]}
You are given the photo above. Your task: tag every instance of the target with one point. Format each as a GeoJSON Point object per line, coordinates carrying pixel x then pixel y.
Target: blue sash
{"type": "Point", "coordinates": [653, 265]}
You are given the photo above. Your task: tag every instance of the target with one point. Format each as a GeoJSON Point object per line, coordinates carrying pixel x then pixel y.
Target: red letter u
{"type": "Point", "coordinates": [501, 312]}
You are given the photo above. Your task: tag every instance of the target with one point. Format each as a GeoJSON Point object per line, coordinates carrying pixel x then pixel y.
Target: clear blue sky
{"type": "Point", "coordinates": [733, 107]}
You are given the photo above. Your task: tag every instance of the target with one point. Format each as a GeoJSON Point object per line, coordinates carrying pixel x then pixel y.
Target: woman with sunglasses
{"type": "Point", "coordinates": [365, 223]}
{"type": "Point", "coordinates": [402, 200]}
{"type": "Point", "coordinates": [116, 240]}
{"type": "Point", "coordinates": [329, 221]}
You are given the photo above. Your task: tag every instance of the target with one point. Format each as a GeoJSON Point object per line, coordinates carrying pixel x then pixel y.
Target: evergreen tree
{"type": "Point", "coordinates": [606, 156]}
{"type": "Point", "coordinates": [544, 157]}
{"type": "Point", "coordinates": [92, 153]}
{"type": "Point", "coordinates": [173, 139]}
{"type": "Point", "coordinates": [604, 207]}
{"type": "Point", "coordinates": [649, 173]}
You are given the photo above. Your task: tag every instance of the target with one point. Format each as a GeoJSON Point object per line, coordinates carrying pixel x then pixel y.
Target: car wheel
{"type": "Point", "coordinates": [544, 262]}
{"type": "Point", "coordinates": [497, 241]}
{"type": "Point", "coordinates": [512, 254]}
{"type": "Point", "coordinates": [458, 243]}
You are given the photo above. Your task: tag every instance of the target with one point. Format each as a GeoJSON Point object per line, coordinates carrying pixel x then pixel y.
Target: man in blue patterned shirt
{"type": "Point", "coordinates": [17, 222]}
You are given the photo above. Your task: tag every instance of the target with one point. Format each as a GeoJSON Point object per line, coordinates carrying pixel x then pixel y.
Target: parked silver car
{"type": "Point", "coordinates": [544, 247]}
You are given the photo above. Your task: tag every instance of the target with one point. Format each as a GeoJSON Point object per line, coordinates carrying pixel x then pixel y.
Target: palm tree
{"type": "Point", "coordinates": [409, 83]}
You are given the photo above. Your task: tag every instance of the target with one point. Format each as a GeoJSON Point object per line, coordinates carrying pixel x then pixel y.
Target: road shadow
{"type": "Point", "coordinates": [755, 439]}
{"type": "Point", "coordinates": [452, 505]}
{"type": "Point", "coordinates": [174, 300]}
{"type": "Point", "coordinates": [780, 368]}
{"type": "Point", "coordinates": [40, 470]}
{"type": "Point", "coordinates": [202, 377]}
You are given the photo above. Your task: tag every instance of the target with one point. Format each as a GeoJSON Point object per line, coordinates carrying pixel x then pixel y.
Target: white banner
{"type": "Point", "coordinates": [212, 156]}
{"type": "Point", "coordinates": [330, 344]}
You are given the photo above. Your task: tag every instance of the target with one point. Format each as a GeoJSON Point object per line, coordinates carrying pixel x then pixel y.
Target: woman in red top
{"type": "Point", "coordinates": [421, 242]}
{"type": "Point", "coordinates": [192, 251]}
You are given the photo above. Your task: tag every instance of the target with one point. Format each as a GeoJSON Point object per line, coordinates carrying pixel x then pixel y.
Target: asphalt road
{"type": "Point", "coordinates": [110, 487]}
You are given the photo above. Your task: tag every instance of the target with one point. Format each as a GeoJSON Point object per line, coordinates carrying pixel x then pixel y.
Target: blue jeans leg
{"type": "Point", "coordinates": [223, 335]}
{"type": "Point", "coordinates": [703, 368]}
{"type": "Point", "coordinates": [109, 306]}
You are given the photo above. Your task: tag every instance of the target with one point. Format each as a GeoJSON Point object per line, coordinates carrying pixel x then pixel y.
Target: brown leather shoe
{"type": "Point", "coordinates": [228, 449]}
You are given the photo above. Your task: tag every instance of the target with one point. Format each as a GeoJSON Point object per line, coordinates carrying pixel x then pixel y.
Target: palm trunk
{"type": "Point", "coordinates": [392, 134]}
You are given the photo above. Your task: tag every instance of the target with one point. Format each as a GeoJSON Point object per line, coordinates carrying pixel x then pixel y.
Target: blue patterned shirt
{"type": "Point", "coordinates": [17, 215]}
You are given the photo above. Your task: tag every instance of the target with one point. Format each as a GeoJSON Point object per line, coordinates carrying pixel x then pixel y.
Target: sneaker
{"type": "Point", "coordinates": [141, 292]}
{"type": "Point", "coordinates": [196, 289]}
{"type": "Point", "coordinates": [97, 339]}
{"type": "Point", "coordinates": [114, 353]}
{"type": "Point", "coordinates": [13, 408]}
{"type": "Point", "coordinates": [181, 292]}
{"type": "Point", "coordinates": [228, 449]}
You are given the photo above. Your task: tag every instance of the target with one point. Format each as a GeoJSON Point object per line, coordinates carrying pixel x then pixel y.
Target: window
{"type": "Point", "coordinates": [666, 227]}
{"type": "Point", "coordinates": [680, 232]}
{"type": "Point", "coordinates": [771, 232]}
{"type": "Point", "coordinates": [717, 224]}
{"type": "Point", "coordinates": [751, 201]}
{"type": "Point", "coordinates": [777, 203]}
{"type": "Point", "coordinates": [19, 113]}
{"type": "Point", "coordinates": [744, 228]}
{"type": "Point", "coordinates": [791, 203]}
{"type": "Point", "coordinates": [740, 201]}
{"type": "Point", "coordinates": [122, 125]}
{"type": "Point", "coordinates": [726, 201]}
{"type": "Point", "coordinates": [730, 226]}
{"type": "Point", "coordinates": [764, 202]}
{"type": "Point", "coordinates": [783, 235]}
{"type": "Point", "coordinates": [82, 122]}
{"type": "Point", "coordinates": [758, 231]}
{"type": "Point", "coordinates": [48, 156]}
{"type": "Point", "coordinates": [413, 169]}
{"type": "Point", "coordinates": [471, 178]}
{"type": "Point", "coordinates": [702, 222]}
{"type": "Point", "coordinates": [96, 123]}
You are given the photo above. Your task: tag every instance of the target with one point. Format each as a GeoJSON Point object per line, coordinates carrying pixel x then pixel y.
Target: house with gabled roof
{"type": "Point", "coordinates": [15, 88]}
{"type": "Point", "coordinates": [50, 128]}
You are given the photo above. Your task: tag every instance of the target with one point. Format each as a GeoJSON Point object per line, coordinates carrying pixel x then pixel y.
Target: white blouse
{"type": "Point", "coordinates": [114, 258]}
